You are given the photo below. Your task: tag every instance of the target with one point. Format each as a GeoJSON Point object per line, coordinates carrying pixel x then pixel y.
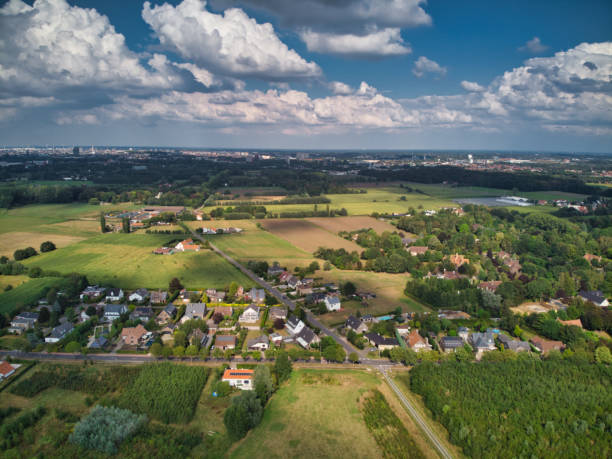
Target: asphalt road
{"type": "Point", "coordinates": [433, 437]}
{"type": "Point", "coordinates": [283, 299]}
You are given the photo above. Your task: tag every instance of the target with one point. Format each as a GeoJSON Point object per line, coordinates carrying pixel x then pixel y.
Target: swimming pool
{"type": "Point", "coordinates": [387, 317]}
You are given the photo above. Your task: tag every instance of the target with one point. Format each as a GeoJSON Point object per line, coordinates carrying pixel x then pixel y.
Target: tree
{"type": "Point", "coordinates": [47, 246]}
{"type": "Point", "coordinates": [327, 266]}
{"type": "Point", "coordinates": [178, 351]}
{"type": "Point", "coordinates": [217, 318]}
{"type": "Point", "coordinates": [44, 315]}
{"type": "Point", "coordinates": [175, 285]}
{"type": "Point", "coordinates": [125, 224]}
{"type": "Point", "coordinates": [279, 324]}
{"type": "Point", "coordinates": [179, 338]}
{"type": "Point", "coordinates": [603, 355]}
{"type": "Point", "coordinates": [282, 366]}
{"type": "Point", "coordinates": [335, 353]}
{"type": "Point", "coordinates": [242, 415]}
{"type": "Point", "coordinates": [217, 353]}
{"type": "Point", "coordinates": [263, 383]}
{"type": "Point", "coordinates": [353, 357]}
{"type": "Point", "coordinates": [233, 288]}
{"type": "Point", "coordinates": [348, 289]}
{"type": "Point", "coordinates": [103, 228]}
{"type": "Point", "coordinates": [156, 349]}
{"type": "Point", "coordinates": [166, 352]}
{"type": "Point", "coordinates": [73, 346]}
{"type": "Point", "coordinates": [191, 351]}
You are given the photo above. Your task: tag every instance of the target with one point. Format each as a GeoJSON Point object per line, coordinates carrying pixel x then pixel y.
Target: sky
{"type": "Point", "coordinates": [308, 74]}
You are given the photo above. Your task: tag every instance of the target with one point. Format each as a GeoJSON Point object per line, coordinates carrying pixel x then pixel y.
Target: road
{"type": "Point", "coordinates": [433, 437]}
{"type": "Point", "coordinates": [283, 299]}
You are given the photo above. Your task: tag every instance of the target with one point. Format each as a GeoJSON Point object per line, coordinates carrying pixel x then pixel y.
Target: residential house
{"type": "Point", "coordinates": [381, 342]}
{"type": "Point", "coordinates": [241, 379]}
{"type": "Point", "coordinates": [224, 342]}
{"type": "Point", "coordinates": [194, 311]}
{"type": "Point", "coordinates": [514, 345]}
{"type": "Point", "coordinates": [491, 286]}
{"type": "Point", "coordinates": [167, 333]}
{"type": "Point", "coordinates": [408, 240]}
{"type": "Point", "coordinates": [315, 297]}
{"type": "Point", "coordinates": [143, 313]}
{"type": "Point", "coordinates": [402, 330]}
{"type": "Point", "coordinates": [225, 311]}
{"type": "Point", "coordinates": [306, 337]}
{"type": "Point", "coordinates": [92, 292]}
{"type": "Point", "coordinates": [304, 289]}
{"type": "Point", "coordinates": [215, 296]}
{"type": "Point", "coordinates": [451, 343]}
{"type": "Point", "coordinates": [250, 315]}
{"type": "Point", "coordinates": [139, 296]}
{"type": "Point", "coordinates": [355, 324]}
{"type": "Point", "coordinates": [261, 343]}
{"type": "Point", "coordinates": [187, 246]}
{"type": "Point", "coordinates": [114, 294]}
{"type": "Point", "coordinates": [163, 251]}
{"type": "Point", "coordinates": [276, 339]}
{"type": "Point", "coordinates": [132, 335]}
{"type": "Point", "coordinates": [59, 332]}
{"type": "Point", "coordinates": [6, 370]}
{"type": "Point", "coordinates": [197, 336]}
{"type": "Point", "coordinates": [98, 343]}
{"type": "Point", "coordinates": [546, 345]}
{"type": "Point", "coordinates": [22, 322]}
{"type": "Point", "coordinates": [159, 297]}
{"type": "Point", "coordinates": [483, 341]}
{"type": "Point", "coordinates": [293, 282]}
{"type": "Point", "coordinates": [275, 270]}
{"type": "Point", "coordinates": [294, 325]}
{"type": "Point", "coordinates": [166, 315]}
{"type": "Point", "coordinates": [277, 312]}
{"type": "Point", "coordinates": [113, 311]}
{"type": "Point", "coordinates": [417, 250]}
{"type": "Point", "coordinates": [457, 259]}
{"type": "Point", "coordinates": [416, 342]}
{"type": "Point", "coordinates": [332, 303]}
{"type": "Point", "coordinates": [284, 277]}
{"type": "Point", "coordinates": [187, 296]}
{"type": "Point", "coordinates": [463, 333]}
{"type": "Point", "coordinates": [257, 295]}
{"type": "Point", "coordinates": [594, 296]}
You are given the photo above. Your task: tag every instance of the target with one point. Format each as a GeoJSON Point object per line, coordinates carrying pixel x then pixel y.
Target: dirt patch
{"type": "Point", "coordinates": [529, 308]}
{"type": "Point", "coordinates": [307, 235]}
{"type": "Point", "coordinates": [337, 224]}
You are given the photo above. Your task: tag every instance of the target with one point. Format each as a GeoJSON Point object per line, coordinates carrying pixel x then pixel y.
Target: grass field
{"type": "Point", "coordinates": [26, 293]}
{"type": "Point", "coordinates": [306, 235]}
{"type": "Point", "coordinates": [316, 414]}
{"type": "Point", "coordinates": [14, 281]}
{"type": "Point", "coordinates": [127, 261]}
{"type": "Point", "coordinates": [389, 289]}
{"type": "Point", "coordinates": [20, 240]}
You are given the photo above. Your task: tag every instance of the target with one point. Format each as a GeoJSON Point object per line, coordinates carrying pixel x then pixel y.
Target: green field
{"type": "Point", "coordinates": [127, 261]}
{"type": "Point", "coordinates": [316, 414]}
{"type": "Point", "coordinates": [26, 293]}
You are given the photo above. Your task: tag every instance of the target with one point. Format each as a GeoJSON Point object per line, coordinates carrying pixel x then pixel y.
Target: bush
{"type": "Point", "coordinates": [104, 428]}
{"type": "Point", "coordinates": [22, 254]}
{"type": "Point", "coordinates": [47, 246]}
{"type": "Point", "coordinates": [242, 415]}
{"type": "Point", "coordinates": [11, 431]}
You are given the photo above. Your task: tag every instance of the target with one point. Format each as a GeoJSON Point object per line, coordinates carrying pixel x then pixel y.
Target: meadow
{"type": "Point", "coordinates": [26, 292]}
{"type": "Point", "coordinates": [317, 414]}
{"type": "Point", "coordinates": [127, 261]}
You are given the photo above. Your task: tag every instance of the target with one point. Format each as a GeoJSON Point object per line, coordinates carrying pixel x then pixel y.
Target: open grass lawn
{"type": "Point", "coordinates": [13, 281]}
{"type": "Point", "coordinates": [389, 289]}
{"type": "Point", "coordinates": [26, 293]}
{"type": "Point", "coordinates": [20, 240]}
{"type": "Point", "coordinates": [306, 235]}
{"type": "Point", "coordinates": [127, 261]}
{"type": "Point", "coordinates": [316, 414]}
{"type": "Point", "coordinates": [337, 224]}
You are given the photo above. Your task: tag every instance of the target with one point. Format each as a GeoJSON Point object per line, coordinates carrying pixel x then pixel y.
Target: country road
{"type": "Point", "coordinates": [433, 437]}
{"type": "Point", "coordinates": [283, 299]}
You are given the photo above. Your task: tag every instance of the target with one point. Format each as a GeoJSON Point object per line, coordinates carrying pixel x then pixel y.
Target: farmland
{"type": "Point", "coordinates": [306, 235]}
{"type": "Point", "coordinates": [127, 261]}
{"type": "Point", "coordinates": [26, 293]}
{"type": "Point", "coordinates": [20, 240]}
{"type": "Point", "coordinates": [316, 414]}
{"type": "Point", "coordinates": [337, 224]}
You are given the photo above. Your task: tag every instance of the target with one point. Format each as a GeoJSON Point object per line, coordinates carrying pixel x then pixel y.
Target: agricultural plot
{"type": "Point", "coordinates": [13, 281]}
{"type": "Point", "coordinates": [336, 224]}
{"type": "Point", "coordinates": [127, 261]}
{"type": "Point", "coordinates": [316, 414]}
{"type": "Point", "coordinates": [306, 235]}
{"type": "Point", "coordinates": [26, 293]}
{"type": "Point", "coordinates": [20, 240]}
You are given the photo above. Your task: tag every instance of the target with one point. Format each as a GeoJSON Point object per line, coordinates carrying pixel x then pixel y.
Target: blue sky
{"type": "Point", "coordinates": [399, 74]}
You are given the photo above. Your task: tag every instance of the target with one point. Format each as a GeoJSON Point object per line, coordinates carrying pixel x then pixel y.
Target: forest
{"type": "Point", "coordinates": [521, 408]}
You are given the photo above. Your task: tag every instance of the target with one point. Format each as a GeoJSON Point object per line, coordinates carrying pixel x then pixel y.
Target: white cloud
{"type": "Point", "coordinates": [423, 65]}
{"type": "Point", "coordinates": [379, 43]}
{"type": "Point", "coordinates": [232, 43]}
{"type": "Point", "coordinates": [472, 86]}
{"type": "Point", "coordinates": [340, 88]}
{"type": "Point", "coordinates": [534, 46]}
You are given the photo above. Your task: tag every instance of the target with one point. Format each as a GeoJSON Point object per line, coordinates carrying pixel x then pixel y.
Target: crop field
{"type": "Point", "coordinates": [389, 290]}
{"type": "Point", "coordinates": [127, 261]}
{"type": "Point", "coordinates": [20, 240]}
{"type": "Point", "coordinates": [306, 235]}
{"type": "Point", "coordinates": [26, 293]}
{"type": "Point", "coordinates": [316, 414]}
{"type": "Point", "coordinates": [337, 224]}
{"type": "Point", "coordinates": [13, 281]}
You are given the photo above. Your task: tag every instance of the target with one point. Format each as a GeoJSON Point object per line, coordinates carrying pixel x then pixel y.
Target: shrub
{"type": "Point", "coordinates": [47, 246]}
{"type": "Point", "coordinates": [243, 414]}
{"type": "Point", "coordinates": [104, 428]}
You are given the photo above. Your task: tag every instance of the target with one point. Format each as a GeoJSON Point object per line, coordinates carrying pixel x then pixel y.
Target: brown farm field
{"type": "Point", "coordinates": [20, 240]}
{"type": "Point", "coordinates": [337, 224]}
{"type": "Point", "coordinates": [306, 235]}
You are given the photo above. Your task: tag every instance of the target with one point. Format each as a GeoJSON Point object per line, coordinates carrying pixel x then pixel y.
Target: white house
{"type": "Point", "coordinates": [257, 295]}
{"type": "Point", "coordinates": [23, 321]}
{"type": "Point", "coordinates": [332, 303]}
{"type": "Point", "coordinates": [306, 337]}
{"type": "Point", "coordinates": [114, 294]}
{"type": "Point", "coordinates": [261, 343]}
{"type": "Point", "coordinates": [294, 325]}
{"type": "Point", "coordinates": [139, 295]}
{"type": "Point", "coordinates": [194, 311]}
{"type": "Point", "coordinates": [6, 369]}
{"type": "Point", "coordinates": [59, 333]}
{"type": "Point", "coordinates": [250, 314]}
{"type": "Point", "coordinates": [113, 311]}
{"type": "Point", "coordinates": [242, 378]}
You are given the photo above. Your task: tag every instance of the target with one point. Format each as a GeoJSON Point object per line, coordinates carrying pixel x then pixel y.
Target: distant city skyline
{"type": "Point", "coordinates": [311, 75]}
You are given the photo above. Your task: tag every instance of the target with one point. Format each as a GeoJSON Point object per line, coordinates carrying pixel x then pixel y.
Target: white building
{"type": "Point", "coordinates": [242, 378]}
{"type": "Point", "coordinates": [332, 303]}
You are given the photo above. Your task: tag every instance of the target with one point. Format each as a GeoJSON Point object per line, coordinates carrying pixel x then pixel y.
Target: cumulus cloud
{"type": "Point", "coordinates": [534, 46]}
{"type": "Point", "coordinates": [423, 66]}
{"type": "Point", "coordinates": [380, 43]}
{"type": "Point", "coordinates": [338, 87]}
{"type": "Point", "coordinates": [231, 43]}
{"type": "Point", "coordinates": [472, 86]}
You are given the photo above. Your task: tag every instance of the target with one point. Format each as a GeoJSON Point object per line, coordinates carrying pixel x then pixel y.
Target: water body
{"type": "Point", "coordinates": [491, 202]}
